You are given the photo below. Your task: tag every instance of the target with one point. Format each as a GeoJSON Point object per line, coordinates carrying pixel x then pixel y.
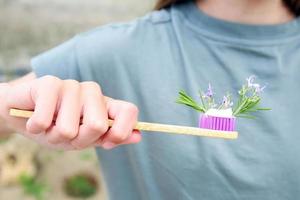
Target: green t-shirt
{"type": "Point", "coordinates": [147, 61]}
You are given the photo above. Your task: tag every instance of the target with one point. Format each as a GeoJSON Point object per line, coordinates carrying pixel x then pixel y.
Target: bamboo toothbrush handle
{"type": "Point", "coordinates": [145, 126]}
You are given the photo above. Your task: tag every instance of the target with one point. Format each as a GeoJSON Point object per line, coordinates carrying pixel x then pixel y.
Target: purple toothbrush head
{"type": "Point", "coordinates": [217, 123]}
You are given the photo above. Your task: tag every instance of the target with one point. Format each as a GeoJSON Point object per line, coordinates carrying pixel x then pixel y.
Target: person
{"type": "Point", "coordinates": [133, 71]}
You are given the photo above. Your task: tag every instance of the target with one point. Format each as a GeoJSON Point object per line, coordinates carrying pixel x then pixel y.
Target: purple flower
{"type": "Point", "coordinates": [209, 93]}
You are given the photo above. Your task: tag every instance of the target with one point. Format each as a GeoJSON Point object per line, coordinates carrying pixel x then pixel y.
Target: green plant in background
{"type": "Point", "coordinates": [81, 185]}
{"type": "Point", "coordinates": [3, 140]}
{"type": "Point", "coordinates": [32, 187]}
{"type": "Point", "coordinates": [86, 156]}
{"type": "Point", "coordinates": [60, 152]}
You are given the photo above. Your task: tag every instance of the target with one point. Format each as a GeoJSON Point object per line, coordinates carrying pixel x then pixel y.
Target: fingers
{"type": "Point", "coordinates": [58, 107]}
{"type": "Point", "coordinates": [18, 96]}
{"type": "Point", "coordinates": [95, 117]}
{"type": "Point", "coordinates": [125, 117]}
{"type": "Point", "coordinates": [45, 104]}
{"type": "Point", "coordinates": [68, 117]}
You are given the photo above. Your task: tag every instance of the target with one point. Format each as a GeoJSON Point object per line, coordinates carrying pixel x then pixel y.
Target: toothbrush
{"type": "Point", "coordinates": [223, 116]}
{"type": "Point", "coordinates": [155, 127]}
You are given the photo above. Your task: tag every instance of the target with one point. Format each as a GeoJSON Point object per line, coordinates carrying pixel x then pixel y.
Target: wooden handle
{"type": "Point", "coordinates": [145, 126]}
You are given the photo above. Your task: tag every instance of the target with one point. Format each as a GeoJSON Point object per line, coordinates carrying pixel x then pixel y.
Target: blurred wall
{"type": "Point", "coordinates": [28, 27]}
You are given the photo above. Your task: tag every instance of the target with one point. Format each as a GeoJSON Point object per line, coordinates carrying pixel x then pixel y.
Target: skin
{"type": "Point", "coordinates": [264, 12]}
{"type": "Point", "coordinates": [74, 115]}
{"type": "Point", "coordinates": [80, 112]}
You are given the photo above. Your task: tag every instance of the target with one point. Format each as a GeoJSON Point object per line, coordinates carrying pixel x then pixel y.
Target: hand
{"type": "Point", "coordinates": [68, 114]}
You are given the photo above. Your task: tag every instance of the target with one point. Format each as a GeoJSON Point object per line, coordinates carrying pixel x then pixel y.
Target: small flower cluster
{"type": "Point", "coordinates": [249, 98]}
{"type": "Point", "coordinates": [254, 86]}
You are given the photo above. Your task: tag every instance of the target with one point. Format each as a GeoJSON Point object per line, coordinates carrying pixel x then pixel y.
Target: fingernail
{"type": "Point", "coordinates": [108, 145]}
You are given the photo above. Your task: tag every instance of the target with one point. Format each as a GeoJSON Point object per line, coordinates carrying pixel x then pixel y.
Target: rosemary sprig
{"type": "Point", "coordinates": [205, 106]}
{"type": "Point", "coordinates": [189, 101]}
{"type": "Point", "coordinates": [249, 99]}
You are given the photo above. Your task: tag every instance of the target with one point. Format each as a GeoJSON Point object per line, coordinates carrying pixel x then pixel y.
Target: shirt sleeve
{"type": "Point", "coordinates": [60, 61]}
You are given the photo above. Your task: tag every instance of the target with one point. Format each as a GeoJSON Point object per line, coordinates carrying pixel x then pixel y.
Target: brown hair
{"type": "Point", "coordinates": [166, 3]}
{"type": "Point", "coordinates": [293, 5]}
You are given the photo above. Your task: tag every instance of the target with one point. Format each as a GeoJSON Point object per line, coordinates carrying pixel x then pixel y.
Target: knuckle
{"type": "Point", "coordinates": [71, 87]}
{"type": "Point", "coordinates": [71, 82]}
{"type": "Point", "coordinates": [131, 108]}
{"type": "Point", "coordinates": [50, 79]}
{"type": "Point", "coordinates": [98, 126]}
{"type": "Point", "coordinates": [92, 85]}
{"type": "Point", "coordinates": [66, 133]}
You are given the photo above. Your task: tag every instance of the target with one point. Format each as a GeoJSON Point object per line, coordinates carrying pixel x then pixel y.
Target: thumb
{"type": "Point", "coordinates": [134, 138]}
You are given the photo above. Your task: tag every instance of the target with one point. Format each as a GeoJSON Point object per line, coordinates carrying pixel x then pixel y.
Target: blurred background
{"type": "Point", "coordinates": [27, 28]}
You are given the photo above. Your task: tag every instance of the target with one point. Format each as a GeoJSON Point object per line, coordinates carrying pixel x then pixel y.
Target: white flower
{"type": "Point", "coordinates": [250, 84]}
{"type": "Point", "coordinates": [250, 81]}
{"type": "Point", "coordinates": [227, 101]}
